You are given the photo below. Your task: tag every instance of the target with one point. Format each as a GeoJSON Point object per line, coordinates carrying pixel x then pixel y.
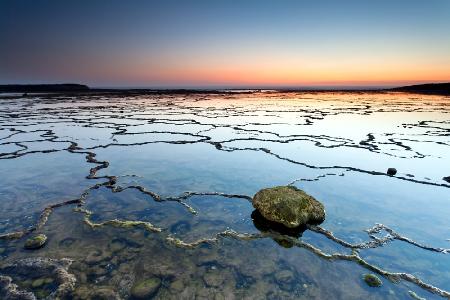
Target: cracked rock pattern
{"type": "Point", "coordinates": [136, 187]}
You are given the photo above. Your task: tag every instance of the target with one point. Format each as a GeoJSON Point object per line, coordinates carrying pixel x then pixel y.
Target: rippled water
{"type": "Point", "coordinates": [183, 167]}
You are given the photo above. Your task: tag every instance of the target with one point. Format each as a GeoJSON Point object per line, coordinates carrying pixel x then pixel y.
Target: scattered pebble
{"type": "Point", "coordinates": [36, 242]}
{"type": "Point", "coordinates": [372, 280]}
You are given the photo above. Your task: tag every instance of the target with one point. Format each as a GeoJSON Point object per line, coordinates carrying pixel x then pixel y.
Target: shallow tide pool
{"type": "Point", "coordinates": [148, 195]}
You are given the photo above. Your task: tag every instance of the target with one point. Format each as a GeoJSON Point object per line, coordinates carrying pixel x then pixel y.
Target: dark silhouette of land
{"type": "Point", "coordinates": [429, 88]}
{"type": "Point", "coordinates": [43, 88]}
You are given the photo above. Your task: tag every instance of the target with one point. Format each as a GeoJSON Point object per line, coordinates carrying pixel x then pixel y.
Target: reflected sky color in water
{"type": "Point", "coordinates": [224, 148]}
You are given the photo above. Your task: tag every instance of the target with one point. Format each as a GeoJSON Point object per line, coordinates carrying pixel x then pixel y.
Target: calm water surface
{"type": "Point", "coordinates": [182, 168]}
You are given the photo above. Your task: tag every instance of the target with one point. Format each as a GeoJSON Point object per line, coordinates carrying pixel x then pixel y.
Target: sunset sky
{"type": "Point", "coordinates": [225, 43]}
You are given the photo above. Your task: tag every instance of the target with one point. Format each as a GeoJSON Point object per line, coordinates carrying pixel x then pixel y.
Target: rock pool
{"type": "Point", "coordinates": [148, 195]}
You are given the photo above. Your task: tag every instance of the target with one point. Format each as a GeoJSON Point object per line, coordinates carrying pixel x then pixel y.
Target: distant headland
{"type": "Point", "coordinates": [43, 88]}
{"type": "Point", "coordinates": [429, 88]}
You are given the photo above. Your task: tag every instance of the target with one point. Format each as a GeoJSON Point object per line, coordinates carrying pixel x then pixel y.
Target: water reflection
{"type": "Point", "coordinates": [265, 226]}
{"type": "Point", "coordinates": [97, 174]}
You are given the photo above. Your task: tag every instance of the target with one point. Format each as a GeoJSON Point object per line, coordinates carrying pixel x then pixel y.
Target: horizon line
{"type": "Point", "coordinates": [275, 87]}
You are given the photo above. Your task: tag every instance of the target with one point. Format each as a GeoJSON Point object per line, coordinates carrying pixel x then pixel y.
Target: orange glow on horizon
{"type": "Point", "coordinates": [273, 71]}
{"type": "Point", "coordinates": [288, 77]}
{"type": "Point", "coordinates": [137, 69]}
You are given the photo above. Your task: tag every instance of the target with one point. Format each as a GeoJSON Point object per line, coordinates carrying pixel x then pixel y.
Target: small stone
{"type": "Point", "coordinates": [41, 294]}
{"type": "Point", "coordinates": [38, 283]}
{"type": "Point", "coordinates": [219, 296]}
{"type": "Point", "coordinates": [104, 293]}
{"type": "Point", "coordinates": [285, 279]}
{"type": "Point", "coordinates": [146, 288]}
{"type": "Point", "coordinates": [67, 242]}
{"type": "Point", "coordinates": [289, 206]}
{"type": "Point", "coordinates": [116, 246]}
{"type": "Point", "coordinates": [446, 179]}
{"type": "Point", "coordinates": [41, 281]}
{"type": "Point", "coordinates": [372, 280]}
{"type": "Point", "coordinates": [36, 242]}
{"type": "Point", "coordinates": [82, 292]}
{"type": "Point", "coordinates": [285, 276]}
{"type": "Point", "coordinates": [213, 279]}
{"type": "Point", "coordinates": [96, 256]}
{"type": "Point", "coordinates": [82, 277]}
{"type": "Point", "coordinates": [391, 171]}
{"type": "Point", "coordinates": [177, 285]}
{"type": "Point", "coordinates": [98, 271]}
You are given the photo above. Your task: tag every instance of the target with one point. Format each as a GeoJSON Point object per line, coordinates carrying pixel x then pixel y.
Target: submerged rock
{"type": "Point", "coordinates": [10, 290]}
{"type": "Point", "coordinates": [117, 245]}
{"type": "Point", "coordinates": [213, 278]}
{"type": "Point", "coordinates": [103, 293]}
{"type": "Point", "coordinates": [97, 293]}
{"type": "Point", "coordinates": [52, 270]}
{"type": "Point", "coordinates": [177, 286]}
{"type": "Point", "coordinates": [372, 280]}
{"type": "Point", "coordinates": [146, 288]}
{"type": "Point", "coordinates": [96, 256]}
{"type": "Point", "coordinates": [285, 279]}
{"type": "Point", "coordinates": [36, 242]}
{"type": "Point", "coordinates": [264, 225]}
{"type": "Point", "coordinates": [391, 171]}
{"type": "Point", "coordinates": [289, 206]}
{"type": "Point", "coordinates": [40, 282]}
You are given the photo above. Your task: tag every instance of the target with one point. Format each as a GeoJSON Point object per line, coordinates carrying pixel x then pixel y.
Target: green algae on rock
{"type": "Point", "coordinates": [372, 280]}
{"type": "Point", "coordinates": [289, 206]}
{"type": "Point", "coordinates": [119, 223]}
{"type": "Point", "coordinates": [414, 295]}
{"type": "Point", "coordinates": [146, 288]}
{"type": "Point", "coordinates": [36, 242]}
{"type": "Point", "coordinates": [40, 282]}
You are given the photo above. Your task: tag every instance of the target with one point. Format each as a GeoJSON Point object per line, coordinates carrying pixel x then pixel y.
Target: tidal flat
{"type": "Point", "coordinates": [148, 195]}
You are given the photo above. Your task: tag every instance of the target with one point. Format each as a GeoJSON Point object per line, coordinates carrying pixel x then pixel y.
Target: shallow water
{"type": "Point", "coordinates": [183, 168]}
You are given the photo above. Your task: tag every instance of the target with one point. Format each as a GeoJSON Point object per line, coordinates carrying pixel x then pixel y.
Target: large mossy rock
{"type": "Point", "coordinates": [289, 206]}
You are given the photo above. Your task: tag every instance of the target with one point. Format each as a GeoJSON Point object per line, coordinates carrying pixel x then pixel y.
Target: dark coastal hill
{"type": "Point", "coordinates": [43, 88]}
{"type": "Point", "coordinates": [429, 88]}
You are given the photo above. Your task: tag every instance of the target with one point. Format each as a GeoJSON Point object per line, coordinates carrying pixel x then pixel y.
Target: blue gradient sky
{"type": "Point", "coordinates": [225, 43]}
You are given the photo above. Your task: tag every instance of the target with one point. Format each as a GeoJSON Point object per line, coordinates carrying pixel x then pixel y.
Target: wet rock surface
{"type": "Point", "coordinates": [145, 288]}
{"type": "Point", "coordinates": [10, 291]}
{"type": "Point", "coordinates": [391, 171]}
{"type": "Point", "coordinates": [35, 242]}
{"type": "Point", "coordinates": [266, 226]}
{"type": "Point", "coordinates": [372, 280]}
{"type": "Point", "coordinates": [45, 270]}
{"type": "Point", "coordinates": [289, 206]}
